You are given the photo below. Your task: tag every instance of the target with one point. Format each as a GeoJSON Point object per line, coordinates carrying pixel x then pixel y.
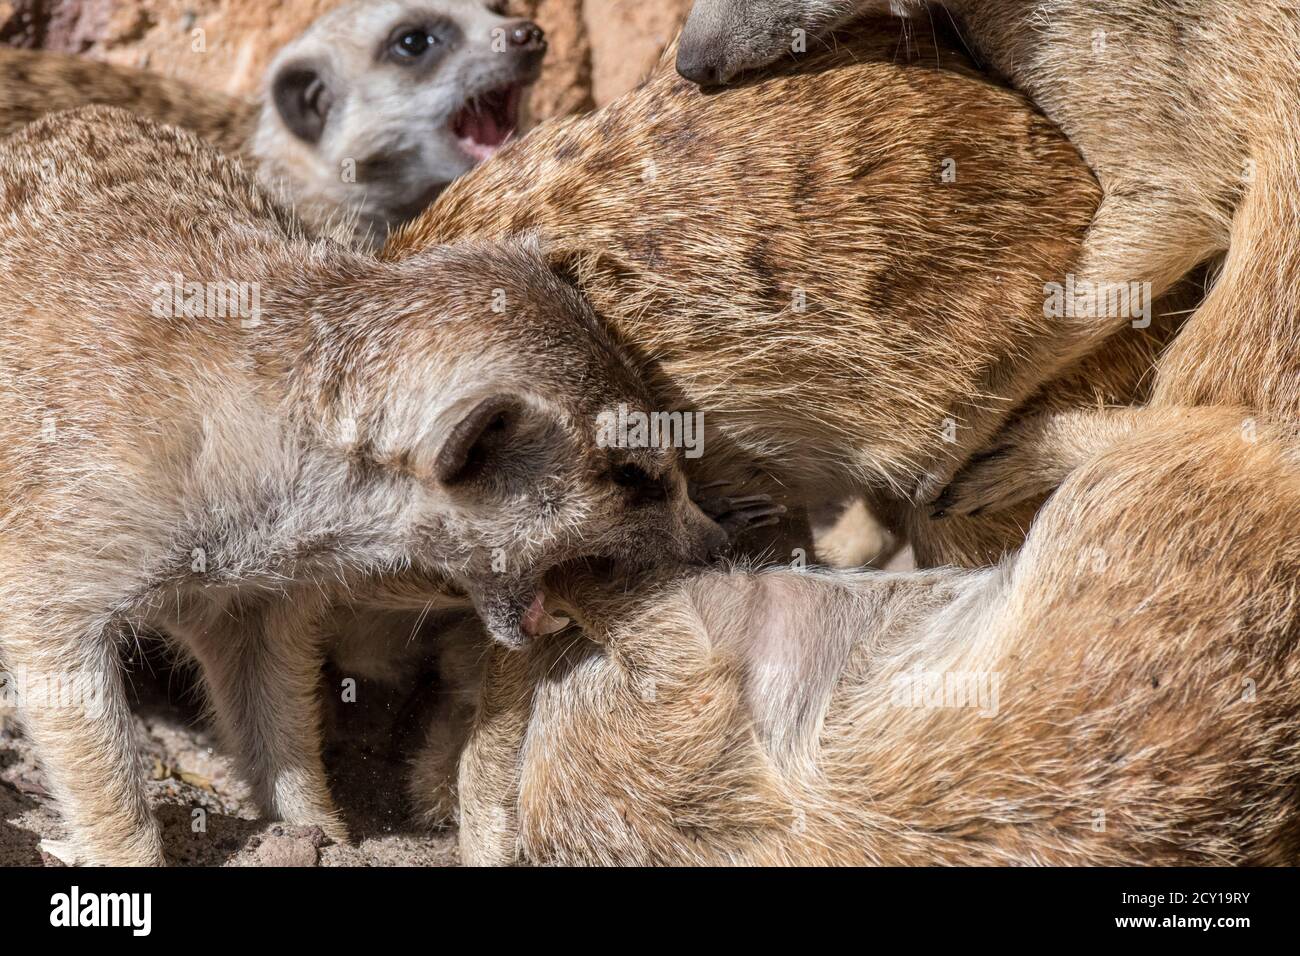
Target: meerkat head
{"type": "Point", "coordinates": [723, 39]}
{"type": "Point", "coordinates": [487, 386]}
{"type": "Point", "coordinates": [381, 104]}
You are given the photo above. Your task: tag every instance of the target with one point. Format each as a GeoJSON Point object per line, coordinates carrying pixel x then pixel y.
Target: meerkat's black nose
{"type": "Point", "coordinates": [526, 35]}
{"type": "Point", "coordinates": [702, 65]}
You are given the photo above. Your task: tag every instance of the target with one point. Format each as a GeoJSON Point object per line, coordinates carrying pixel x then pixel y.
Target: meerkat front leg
{"type": "Point", "coordinates": [262, 667]}
{"type": "Point", "coordinates": [490, 766]}
{"type": "Point", "coordinates": [73, 706]}
{"type": "Point", "coordinates": [1042, 450]}
{"type": "Point", "coordinates": [1141, 242]}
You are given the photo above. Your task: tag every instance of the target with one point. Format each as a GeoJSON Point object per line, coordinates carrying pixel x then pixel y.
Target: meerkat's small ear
{"type": "Point", "coordinates": [473, 440]}
{"type": "Point", "coordinates": [304, 95]}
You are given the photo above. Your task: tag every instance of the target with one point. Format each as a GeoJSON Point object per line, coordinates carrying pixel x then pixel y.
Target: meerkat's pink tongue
{"type": "Point", "coordinates": [487, 122]}
{"type": "Point", "coordinates": [538, 622]}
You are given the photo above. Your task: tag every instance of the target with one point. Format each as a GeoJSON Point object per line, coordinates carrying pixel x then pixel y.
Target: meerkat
{"type": "Point", "coordinates": [1107, 696]}
{"type": "Point", "coordinates": [36, 83]}
{"type": "Point", "coordinates": [1186, 111]}
{"type": "Point", "coordinates": [385, 103]}
{"type": "Point", "coordinates": [840, 266]}
{"type": "Point", "coordinates": [363, 120]}
{"type": "Point", "coordinates": [213, 428]}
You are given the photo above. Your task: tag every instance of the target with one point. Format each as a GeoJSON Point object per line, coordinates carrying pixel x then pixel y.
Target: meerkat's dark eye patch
{"type": "Point", "coordinates": [643, 486]}
{"type": "Point", "coordinates": [499, 7]}
{"type": "Point", "coordinates": [304, 96]}
{"type": "Point", "coordinates": [477, 440]}
{"type": "Point", "coordinates": [420, 43]}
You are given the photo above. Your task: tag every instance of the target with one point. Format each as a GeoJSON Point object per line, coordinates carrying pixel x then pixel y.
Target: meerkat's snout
{"type": "Point", "coordinates": [489, 119]}
{"type": "Point", "coordinates": [702, 64]}
{"type": "Point", "coordinates": [702, 52]}
{"type": "Point", "coordinates": [724, 39]}
{"type": "Point", "coordinates": [703, 538]}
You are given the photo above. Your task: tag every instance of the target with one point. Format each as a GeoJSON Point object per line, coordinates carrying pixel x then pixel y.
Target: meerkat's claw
{"type": "Point", "coordinates": [737, 515]}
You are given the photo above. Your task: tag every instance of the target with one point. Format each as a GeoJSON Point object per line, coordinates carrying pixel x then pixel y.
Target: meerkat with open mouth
{"type": "Point", "coordinates": [381, 104]}
{"type": "Point", "coordinates": [214, 429]}
{"type": "Point", "coordinates": [364, 119]}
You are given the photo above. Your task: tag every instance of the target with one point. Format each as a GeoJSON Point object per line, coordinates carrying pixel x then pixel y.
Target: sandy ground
{"type": "Point", "coordinates": [369, 743]}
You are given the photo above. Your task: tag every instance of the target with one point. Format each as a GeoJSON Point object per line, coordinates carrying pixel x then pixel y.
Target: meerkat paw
{"type": "Point", "coordinates": [992, 481]}
{"type": "Point", "coordinates": [328, 822]}
{"type": "Point", "coordinates": [736, 515]}
{"type": "Point", "coordinates": [305, 803]}
{"type": "Point", "coordinates": [1031, 459]}
{"type": "Point", "coordinates": [143, 849]}
{"type": "Point", "coordinates": [328, 819]}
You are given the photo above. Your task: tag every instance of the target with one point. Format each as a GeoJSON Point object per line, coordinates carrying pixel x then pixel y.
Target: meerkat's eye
{"type": "Point", "coordinates": [630, 476]}
{"type": "Point", "coordinates": [421, 44]}
{"type": "Point", "coordinates": [413, 44]}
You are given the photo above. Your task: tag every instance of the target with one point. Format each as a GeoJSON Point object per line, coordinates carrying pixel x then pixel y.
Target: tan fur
{"type": "Point", "coordinates": [693, 222]}
{"type": "Point", "coordinates": [387, 144]}
{"type": "Point", "coordinates": [34, 84]}
{"type": "Point", "coordinates": [1146, 642]}
{"type": "Point", "coordinates": [1201, 143]}
{"type": "Point", "coordinates": [373, 431]}
{"type": "Point", "coordinates": [1187, 112]}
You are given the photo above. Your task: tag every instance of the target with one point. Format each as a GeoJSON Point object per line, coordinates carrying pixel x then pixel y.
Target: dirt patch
{"type": "Point", "coordinates": [205, 811]}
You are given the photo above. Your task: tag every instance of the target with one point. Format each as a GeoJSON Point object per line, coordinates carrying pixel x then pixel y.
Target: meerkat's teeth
{"type": "Point", "coordinates": [539, 622]}
{"type": "Point", "coordinates": [488, 121]}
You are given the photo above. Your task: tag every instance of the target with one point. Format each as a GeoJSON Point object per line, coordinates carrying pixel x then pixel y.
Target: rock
{"type": "Point", "coordinates": [565, 86]}
{"type": "Point", "coordinates": [627, 39]}
{"type": "Point", "coordinates": [290, 846]}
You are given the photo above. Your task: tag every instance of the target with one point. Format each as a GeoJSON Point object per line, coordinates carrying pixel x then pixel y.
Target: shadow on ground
{"type": "Point", "coordinates": [205, 811]}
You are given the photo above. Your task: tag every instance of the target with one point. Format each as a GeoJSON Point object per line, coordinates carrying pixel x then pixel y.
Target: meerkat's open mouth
{"type": "Point", "coordinates": [552, 610]}
{"type": "Point", "coordinates": [520, 611]}
{"type": "Point", "coordinates": [540, 622]}
{"type": "Point", "coordinates": [488, 121]}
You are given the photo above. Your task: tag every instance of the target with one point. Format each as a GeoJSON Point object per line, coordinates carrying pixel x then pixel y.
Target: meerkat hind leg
{"type": "Point", "coordinates": [261, 666]}
{"type": "Point", "coordinates": [1041, 451]}
{"type": "Point", "coordinates": [86, 750]}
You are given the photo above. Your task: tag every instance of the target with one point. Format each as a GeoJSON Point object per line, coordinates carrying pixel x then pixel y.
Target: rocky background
{"type": "Point", "coordinates": [599, 48]}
